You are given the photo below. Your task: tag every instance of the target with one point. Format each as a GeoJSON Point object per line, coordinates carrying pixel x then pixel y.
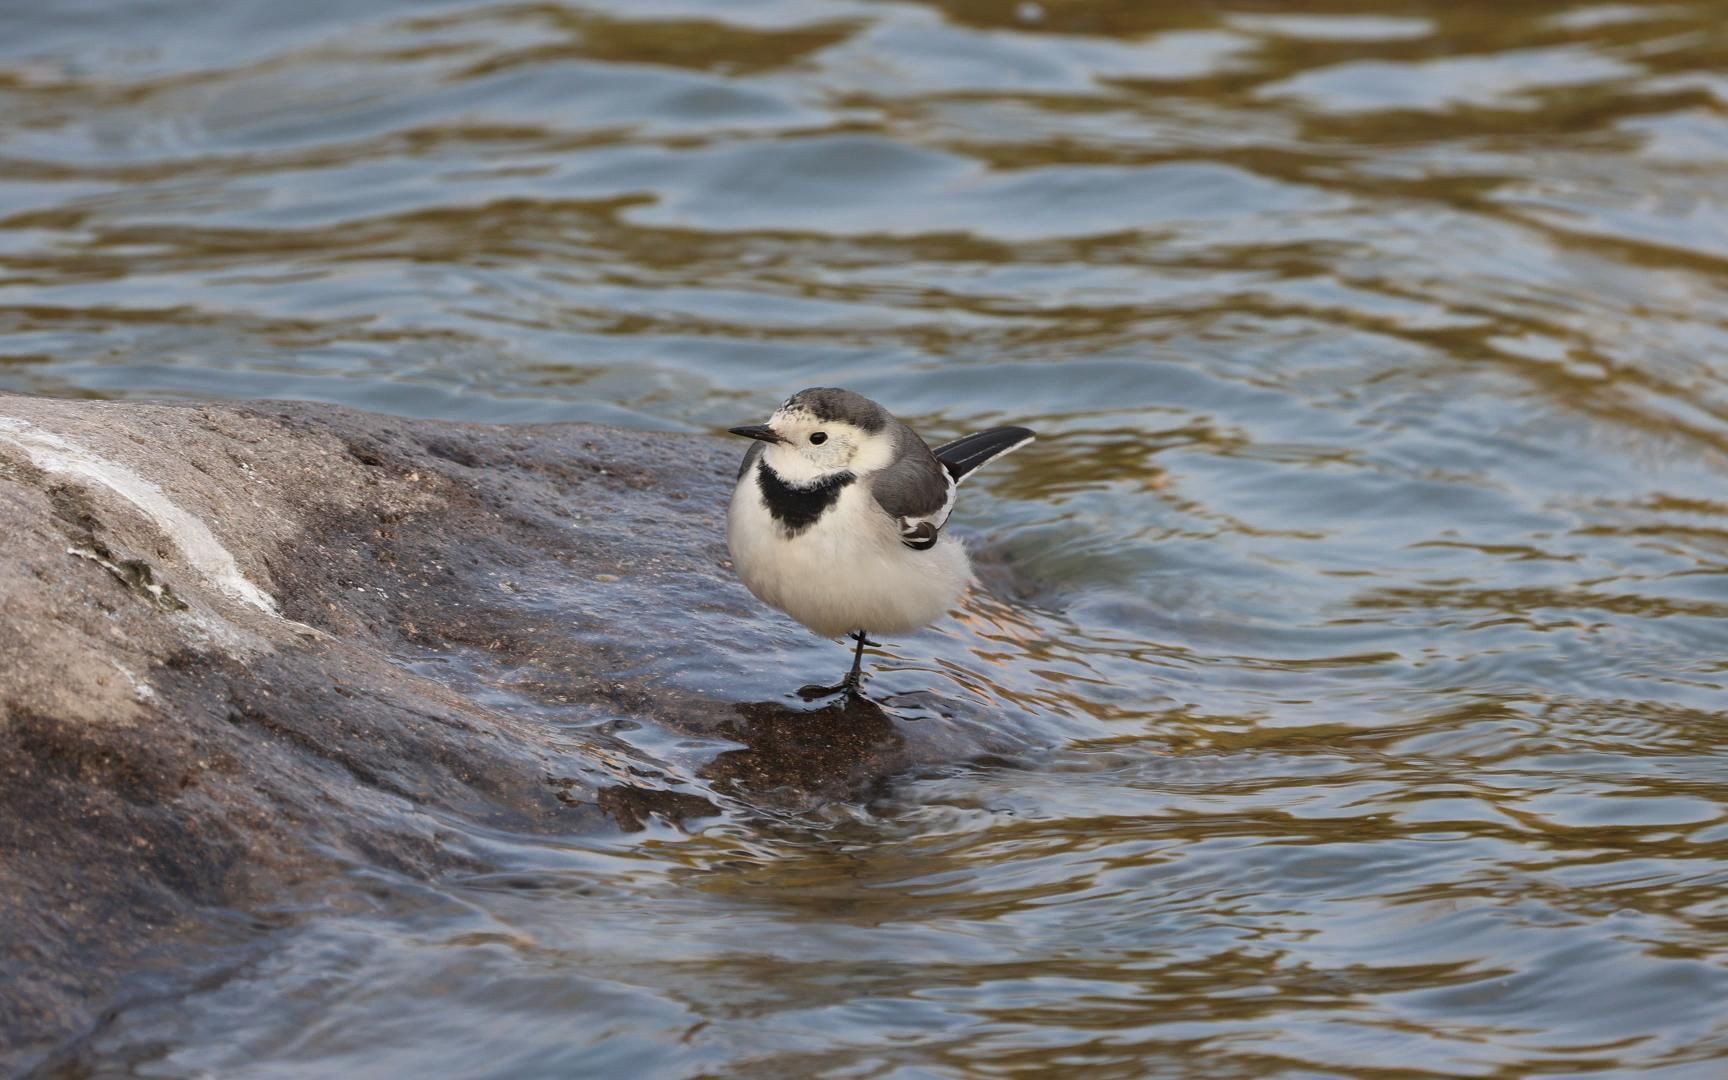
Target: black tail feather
{"type": "Point", "coordinates": [966, 453]}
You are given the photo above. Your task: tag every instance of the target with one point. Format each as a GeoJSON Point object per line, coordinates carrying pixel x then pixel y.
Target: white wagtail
{"type": "Point", "coordinates": [838, 513]}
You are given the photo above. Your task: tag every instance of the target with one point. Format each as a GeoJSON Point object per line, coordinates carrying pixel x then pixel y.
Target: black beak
{"type": "Point", "coordinates": [757, 431]}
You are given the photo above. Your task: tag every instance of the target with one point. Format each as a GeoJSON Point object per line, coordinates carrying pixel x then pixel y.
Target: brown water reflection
{"type": "Point", "coordinates": [1350, 697]}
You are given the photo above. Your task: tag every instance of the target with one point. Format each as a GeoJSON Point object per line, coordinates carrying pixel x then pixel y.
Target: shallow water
{"type": "Point", "coordinates": [1360, 681]}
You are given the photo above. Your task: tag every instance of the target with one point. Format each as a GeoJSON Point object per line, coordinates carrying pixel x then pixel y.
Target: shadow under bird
{"type": "Point", "coordinates": [838, 513]}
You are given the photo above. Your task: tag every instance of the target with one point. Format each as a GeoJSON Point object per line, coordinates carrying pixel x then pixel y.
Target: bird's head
{"type": "Point", "coordinates": [823, 431]}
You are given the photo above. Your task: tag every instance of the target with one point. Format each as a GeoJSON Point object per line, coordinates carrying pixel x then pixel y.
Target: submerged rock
{"type": "Point", "coordinates": [209, 617]}
{"type": "Point", "coordinates": [251, 648]}
{"type": "Point", "coordinates": [199, 705]}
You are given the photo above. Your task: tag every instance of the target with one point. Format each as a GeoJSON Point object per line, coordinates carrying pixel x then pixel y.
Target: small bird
{"type": "Point", "coordinates": [838, 513]}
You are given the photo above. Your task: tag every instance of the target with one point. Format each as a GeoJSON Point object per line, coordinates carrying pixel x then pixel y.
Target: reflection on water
{"type": "Point", "coordinates": [1350, 697]}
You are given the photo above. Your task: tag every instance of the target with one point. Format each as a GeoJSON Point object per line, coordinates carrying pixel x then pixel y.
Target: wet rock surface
{"type": "Point", "coordinates": [250, 648]}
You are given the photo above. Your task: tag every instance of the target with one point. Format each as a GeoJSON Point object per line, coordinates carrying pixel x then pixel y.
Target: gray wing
{"type": "Point", "coordinates": [916, 490]}
{"type": "Point", "coordinates": [750, 457]}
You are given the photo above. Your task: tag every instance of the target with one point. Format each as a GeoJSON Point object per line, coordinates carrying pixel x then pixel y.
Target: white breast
{"type": "Point", "coordinates": [849, 571]}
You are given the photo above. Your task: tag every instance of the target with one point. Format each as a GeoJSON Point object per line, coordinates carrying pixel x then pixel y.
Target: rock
{"type": "Point", "coordinates": [211, 617]}
{"type": "Point", "coordinates": [249, 648]}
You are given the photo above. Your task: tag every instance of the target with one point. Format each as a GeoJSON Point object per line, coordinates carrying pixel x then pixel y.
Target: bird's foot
{"type": "Point", "coordinates": [852, 684]}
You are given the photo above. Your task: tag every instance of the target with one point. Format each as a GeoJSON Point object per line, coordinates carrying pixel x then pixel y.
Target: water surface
{"type": "Point", "coordinates": [1360, 647]}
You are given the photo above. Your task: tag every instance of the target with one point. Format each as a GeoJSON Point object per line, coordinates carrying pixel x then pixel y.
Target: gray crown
{"type": "Point", "coordinates": [833, 403]}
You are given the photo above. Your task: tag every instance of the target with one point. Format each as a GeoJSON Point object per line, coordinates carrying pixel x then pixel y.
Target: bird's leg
{"type": "Point", "coordinates": [854, 680]}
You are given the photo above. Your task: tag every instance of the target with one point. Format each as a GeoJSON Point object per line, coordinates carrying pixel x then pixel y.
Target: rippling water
{"type": "Point", "coordinates": [1366, 649]}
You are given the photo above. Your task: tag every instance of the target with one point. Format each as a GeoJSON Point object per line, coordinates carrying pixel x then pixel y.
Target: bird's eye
{"type": "Point", "coordinates": [817, 438]}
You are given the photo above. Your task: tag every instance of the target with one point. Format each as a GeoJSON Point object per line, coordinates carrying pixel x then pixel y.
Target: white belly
{"type": "Point", "coordinates": [837, 578]}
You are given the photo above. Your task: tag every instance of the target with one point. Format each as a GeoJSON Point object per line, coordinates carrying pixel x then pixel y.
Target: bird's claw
{"type": "Point", "coordinates": [850, 685]}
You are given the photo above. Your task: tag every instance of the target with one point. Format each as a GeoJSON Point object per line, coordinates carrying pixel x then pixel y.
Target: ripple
{"type": "Point", "coordinates": [1508, 80]}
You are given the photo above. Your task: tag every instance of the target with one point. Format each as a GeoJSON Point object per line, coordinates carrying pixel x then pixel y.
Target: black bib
{"type": "Point", "coordinates": [796, 509]}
